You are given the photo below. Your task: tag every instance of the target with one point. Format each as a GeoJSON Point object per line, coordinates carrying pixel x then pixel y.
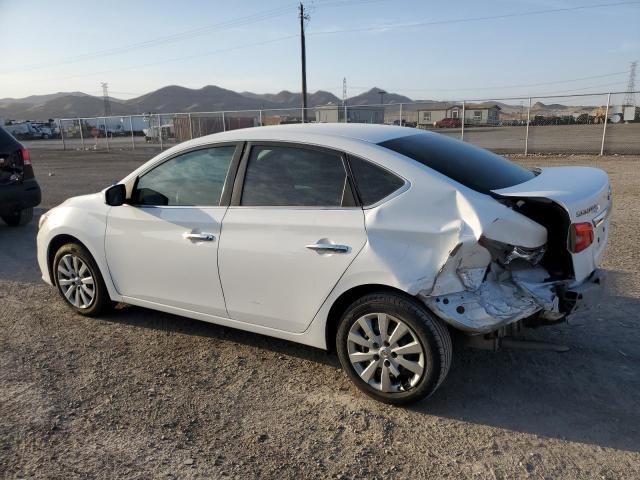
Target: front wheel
{"type": "Point", "coordinates": [79, 281]}
{"type": "Point", "coordinates": [393, 348]}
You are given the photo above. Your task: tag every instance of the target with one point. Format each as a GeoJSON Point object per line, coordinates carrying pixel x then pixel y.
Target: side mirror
{"type": "Point", "coordinates": [115, 195]}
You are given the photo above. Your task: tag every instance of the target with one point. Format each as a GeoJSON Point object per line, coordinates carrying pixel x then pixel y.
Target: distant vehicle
{"type": "Point", "coordinates": [19, 191]}
{"type": "Point", "coordinates": [24, 131]}
{"type": "Point", "coordinates": [373, 240]}
{"type": "Point", "coordinates": [449, 123]}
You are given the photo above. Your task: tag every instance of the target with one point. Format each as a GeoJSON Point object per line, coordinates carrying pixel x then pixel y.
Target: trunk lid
{"type": "Point", "coordinates": [584, 193]}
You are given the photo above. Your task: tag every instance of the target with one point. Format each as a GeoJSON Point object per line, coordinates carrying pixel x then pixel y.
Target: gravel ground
{"type": "Point", "coordinates": [142, 394]}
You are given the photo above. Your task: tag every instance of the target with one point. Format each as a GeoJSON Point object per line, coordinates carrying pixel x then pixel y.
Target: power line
{"type": "Point", "coordinates": [470, 19]}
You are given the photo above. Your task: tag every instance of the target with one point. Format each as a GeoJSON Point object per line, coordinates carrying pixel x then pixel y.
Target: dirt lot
{"type": "Point", "coordinates": [142, 394]}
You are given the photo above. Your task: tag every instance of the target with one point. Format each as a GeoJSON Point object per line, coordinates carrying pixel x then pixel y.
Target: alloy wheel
{"type": "Point", "coordinates": [76, 281]}
{"type": "Point", "coordinates": [385, 352]}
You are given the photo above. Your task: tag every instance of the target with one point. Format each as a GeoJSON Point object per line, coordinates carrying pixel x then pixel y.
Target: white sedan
{"type": "Point", "coordinates": [375, 241]}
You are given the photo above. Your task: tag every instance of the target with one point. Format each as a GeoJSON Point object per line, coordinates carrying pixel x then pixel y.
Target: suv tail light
{"type": "Point", "coordinates": [580, 236]}
{"type": "Point", "coordinates": [26, 157]}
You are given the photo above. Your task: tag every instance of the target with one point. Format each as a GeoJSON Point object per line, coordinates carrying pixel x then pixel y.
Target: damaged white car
{"type": "Point", "coordinates": [375, 241]}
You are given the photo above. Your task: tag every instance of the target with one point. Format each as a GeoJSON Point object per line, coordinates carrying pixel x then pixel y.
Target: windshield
{"type": "Point", "coordinates": [469, 165]}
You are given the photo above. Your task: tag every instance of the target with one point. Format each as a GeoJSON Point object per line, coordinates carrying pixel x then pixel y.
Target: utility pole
{"type": "Point", "coordinates": [303, 53]}
{"type": "Point", "coordinates": [629, 98]}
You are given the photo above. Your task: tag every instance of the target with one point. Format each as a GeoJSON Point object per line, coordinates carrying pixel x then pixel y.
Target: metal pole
{"type": "Point", "coordinates": [106, 132]}
{"type": "Point", "coordinates": [190, 127]}
{"type": "Point", "coordinates": [346, 114]}
{"type": "Point", "coordinates": [160, 131]}
{"type": "Point", "coordinates": [604, 130]}
{"type": "Point", "coordinates": [260, 116]}
{"type": "Point", "coordinates": [303, 52]}
{"type": "Point", "coordinates": [526, 138]}
{"type": "Point", "coordinates": [400, 117]}
{"type": "Point", "coordinates": [64, 145]}
{"type": "Point", "coordinates": [463, 115]}
{"type": "Point", "coordinates": [133, 141]}
{"type": "Point", "coordinates": [224, 124]}
{"type": "Point", "coordinates": [81, 135]}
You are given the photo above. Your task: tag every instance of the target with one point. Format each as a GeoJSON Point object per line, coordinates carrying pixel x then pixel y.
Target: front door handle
{"type": "Point", "coordinates": [200, 237]}
{"type": "Point", "coordinates": [328, 248]}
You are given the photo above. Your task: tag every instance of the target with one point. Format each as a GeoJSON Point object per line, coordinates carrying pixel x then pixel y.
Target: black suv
{"type": "Point", "coordinates": [19, 191]}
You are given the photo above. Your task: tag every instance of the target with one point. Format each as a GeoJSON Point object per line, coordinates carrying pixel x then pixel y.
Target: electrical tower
{"type": "Point", "coordinates": [105, 97]}
{"type": "Point", "coordinates": [630, 97]}
{"type": "Point", "coordinates": [344, 90]}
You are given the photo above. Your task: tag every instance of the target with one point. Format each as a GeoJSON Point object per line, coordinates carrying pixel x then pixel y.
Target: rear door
{"type": "Point", "coordinates": [290, 233]}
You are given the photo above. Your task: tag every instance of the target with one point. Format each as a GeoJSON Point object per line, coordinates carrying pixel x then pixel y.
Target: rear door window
{"type": "Point", "coordinates": [291, 176]}
{"type": "Point", "coordinates": [467, 164]}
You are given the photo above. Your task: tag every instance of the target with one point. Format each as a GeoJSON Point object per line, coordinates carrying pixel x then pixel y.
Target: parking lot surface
{"type": "Point", "coordinates": [143, 394]}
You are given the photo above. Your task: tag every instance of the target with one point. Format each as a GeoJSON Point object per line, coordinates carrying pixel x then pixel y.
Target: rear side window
{"type": "Point", "coordinates": [191, 179]}
{"type": "Point", "coordinates": [293, 176]}
{"type": "Point", "coordinates": [471, 166]}
{"type": "Point", "coordinates": [374, 183]}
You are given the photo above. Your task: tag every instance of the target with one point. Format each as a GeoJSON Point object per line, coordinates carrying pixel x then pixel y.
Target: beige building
{"type": "Point", "coordinates": [474, 114]}
{"type": "Point", "coordinates": [355, 114]}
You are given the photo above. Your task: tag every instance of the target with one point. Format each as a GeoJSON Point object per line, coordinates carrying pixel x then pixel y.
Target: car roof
{"type": "Point", "coordinates": [310, 132]}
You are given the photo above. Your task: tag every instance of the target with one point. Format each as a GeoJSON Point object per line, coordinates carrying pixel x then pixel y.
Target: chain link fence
{"type": "Point", "coordinates": [591, 124]}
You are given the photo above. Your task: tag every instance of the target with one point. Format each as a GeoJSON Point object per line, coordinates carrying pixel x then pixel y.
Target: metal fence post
{"type": "Point", "coordinates": [260, 116]}
{"type": "Point", "coordinates": [604, 130]}
{"type": "Point", "coordinates": [106, 132]}
{"type": "Point", "coordinates": [400, 116]}
{"type": "Point", "coordinates": [133, 140]}
{"type": "Point", "coordinates": [463, 116]}
{"type": "Point", "coordinates": [526, 138]}
{"type": "Point", "coordinates": [224, 123]}
{"type": "Point", "coordinates": [64, 145]}
{"type": "Point", "coordinates": [160, 131]}
{"type": "Point", "coordinates": [81, 134]}
{"type": "Point", "coordinates": [190, 127]}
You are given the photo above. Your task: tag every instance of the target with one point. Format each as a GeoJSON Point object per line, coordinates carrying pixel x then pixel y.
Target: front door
{"type": "Point", "coordinates": [162, 247]}
{"type": "Point", "coordinates": [290, 233]}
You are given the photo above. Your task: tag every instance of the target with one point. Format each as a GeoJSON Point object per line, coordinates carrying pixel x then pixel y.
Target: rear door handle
{"type": "Point", "coordinates": [328, 248]}
{"type": "Point", "coordinates": [201, 237]}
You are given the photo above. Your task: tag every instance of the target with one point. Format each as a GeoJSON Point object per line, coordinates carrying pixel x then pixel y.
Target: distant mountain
{"type": "Point", "coordinates": [211, 98]}
{"type": "Point", "coordinates": [372, 97]}
{"type": "Point", "coordinates": [39, 99]}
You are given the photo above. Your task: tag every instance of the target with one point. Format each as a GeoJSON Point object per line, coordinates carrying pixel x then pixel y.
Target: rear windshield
{"type": "Point", "coordinates": [471, 166]}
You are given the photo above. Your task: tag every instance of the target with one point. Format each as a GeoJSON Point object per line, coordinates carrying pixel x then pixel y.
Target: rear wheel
{"type": "Point", "coordinates": [19, 218]}
{"type": "Point", "coordinates": [79, 281]}
{"type": "Point", "coordinates": [393, 348]}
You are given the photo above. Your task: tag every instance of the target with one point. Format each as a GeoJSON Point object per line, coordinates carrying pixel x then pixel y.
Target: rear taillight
{"type": "Point", "coordinates": [26, 157]}
{"type": "Point", "coordinates": [580, 236]}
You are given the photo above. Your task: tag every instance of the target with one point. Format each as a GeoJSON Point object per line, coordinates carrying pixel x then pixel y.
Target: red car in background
{"type": "Point", "coordinates": [449, 123]}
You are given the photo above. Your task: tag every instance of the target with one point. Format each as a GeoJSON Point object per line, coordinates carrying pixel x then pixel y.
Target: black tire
{"type": "Point", "coordinates": [430, 331]}
{"type": "Point", "coordinates": [101, 301]}
{"type": "Point", "coordinates": [19, 218]}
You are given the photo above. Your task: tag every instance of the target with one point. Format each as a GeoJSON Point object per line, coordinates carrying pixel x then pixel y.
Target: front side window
{"type": "Point", "coordinates": [191, 179]}
{"type": "Point", "coordinates": [467, 164]}
{"type": "Point", "coordinates": [293, 176]}
{"type": "Point", "coordinates": [374, 183]}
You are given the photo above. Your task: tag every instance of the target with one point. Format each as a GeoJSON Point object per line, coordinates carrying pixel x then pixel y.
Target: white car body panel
{"type": "Point", "coordinates": [270, 277]}
{"type": "Point", "coordinates": [150, 259]}
{"type": "Point", "coordinates": [422, 240]}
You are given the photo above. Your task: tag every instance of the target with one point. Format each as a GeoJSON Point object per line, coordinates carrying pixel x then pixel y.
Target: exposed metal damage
{"type": "Point", "coordinates": [479, 291]}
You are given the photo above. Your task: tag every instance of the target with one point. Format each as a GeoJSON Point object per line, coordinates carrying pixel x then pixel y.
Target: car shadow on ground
{"type": "Point", "coordinates": [588, 394]}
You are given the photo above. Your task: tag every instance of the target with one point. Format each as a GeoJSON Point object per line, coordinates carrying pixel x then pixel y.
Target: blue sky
{"type": "Point", "coordinates": [63, 46]}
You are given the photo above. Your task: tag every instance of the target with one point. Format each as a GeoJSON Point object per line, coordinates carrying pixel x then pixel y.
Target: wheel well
{"type": "Point", "coordinates": [347, 298]}
{"type": "Point", "coordinates": [54, 245]}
